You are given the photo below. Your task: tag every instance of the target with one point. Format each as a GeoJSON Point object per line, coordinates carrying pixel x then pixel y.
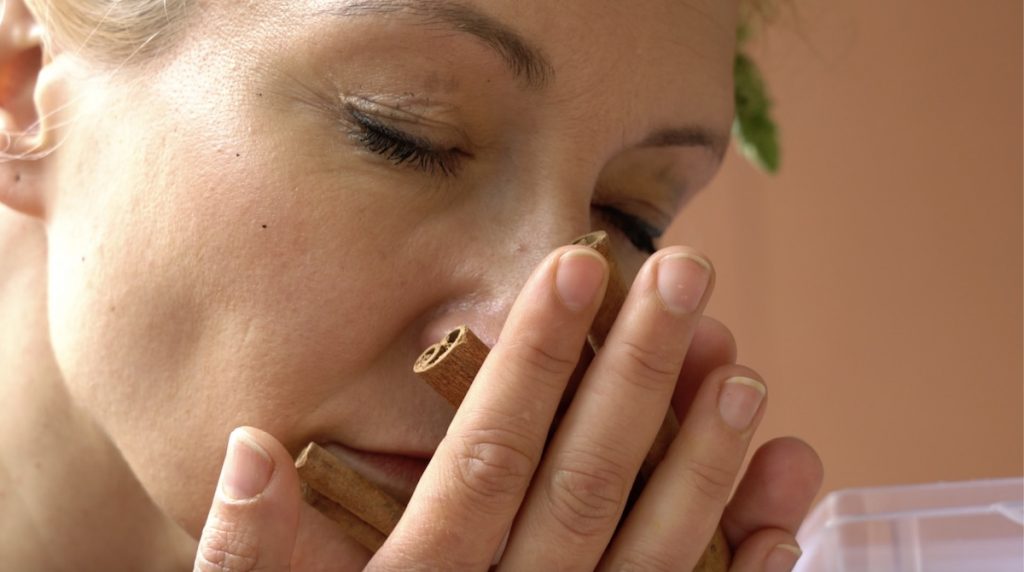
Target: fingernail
{"type": "Point", "coordinates": [782, 558]}
{"type": "Point", "coordinates": [738, 401]}
{"type": "Point", "coordinates": [579, 276]}
{"type": "Point", "coordinates": [247, 467]}
{"type": "Point", "coordinates": [682, 280]}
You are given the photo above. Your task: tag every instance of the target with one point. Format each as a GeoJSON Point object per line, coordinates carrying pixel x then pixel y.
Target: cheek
{"type": "Point", "coordinates": [205, 294]}
{"type": "Point", "coordinates": [177, 287]}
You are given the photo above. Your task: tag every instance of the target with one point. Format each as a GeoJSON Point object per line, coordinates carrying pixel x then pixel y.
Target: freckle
{"type": "Point", "coordinates": [17, 177]}
{"type": "Point", "coordinates": [259, 94]}
{"type": "Point", "coordinates": [238, 154]}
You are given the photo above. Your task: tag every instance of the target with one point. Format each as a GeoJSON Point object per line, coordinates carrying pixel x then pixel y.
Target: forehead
{"type": "Point", "coordinates": [610, 69]}
{"type": "Point", "coordinates": [668, 43]}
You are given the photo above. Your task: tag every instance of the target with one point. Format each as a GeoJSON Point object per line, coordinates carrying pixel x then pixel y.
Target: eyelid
{"type": "Point", "coordinates": [365, 119]}
{"type": "Point", "coordinates": [400, 148]}
{"type": "Point", "coordinates": [635, 205]}
{"type": "Point", "coordinates": [397, 111]}
{"type": "Point", "coordinates": [641, 233]}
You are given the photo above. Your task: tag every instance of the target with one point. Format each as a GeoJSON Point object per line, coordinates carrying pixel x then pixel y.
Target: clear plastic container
{"type": "Point", "coordinates": [972, 526]}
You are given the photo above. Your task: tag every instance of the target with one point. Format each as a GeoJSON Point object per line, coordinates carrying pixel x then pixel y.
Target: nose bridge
{"type": "Point", "coordinates": [503, 242]}
{"type": "Point", "coordinates": [546, 219]}
{"type": "Point", "coordinates": [548, 204]}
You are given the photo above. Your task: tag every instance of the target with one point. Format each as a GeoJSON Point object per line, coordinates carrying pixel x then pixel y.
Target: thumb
{"type": "Point", "coordinates": [255, 512]}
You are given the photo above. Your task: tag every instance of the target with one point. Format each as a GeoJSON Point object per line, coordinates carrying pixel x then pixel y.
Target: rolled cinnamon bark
{"type": "Point", "coordinates": [462, 354]}
{"type": "Point", "coordinates": [614, 294]}
{"type": "Point", "coordinates": [371, 538]}
{"type": "Point", "coordinates": [328, 476]}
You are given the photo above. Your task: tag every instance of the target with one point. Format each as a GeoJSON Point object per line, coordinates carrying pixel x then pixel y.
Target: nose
{"type": "Point", "coordinates": [494, 256]}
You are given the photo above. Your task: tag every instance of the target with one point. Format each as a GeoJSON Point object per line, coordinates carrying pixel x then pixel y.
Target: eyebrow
{"type": "Point", "coordinates": [525, 62]}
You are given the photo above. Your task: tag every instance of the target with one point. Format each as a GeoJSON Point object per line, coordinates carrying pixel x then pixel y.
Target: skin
{"type": "Point", "coordinates": [233, 257]}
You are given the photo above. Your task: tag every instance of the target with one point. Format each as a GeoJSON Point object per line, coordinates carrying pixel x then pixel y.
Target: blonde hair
{"type": "Point", "coordinates": [118, 33]}
{"type": "Point", "coordinates": [115, 32]}
{"type": "Point", "coordinates": [108, 34]}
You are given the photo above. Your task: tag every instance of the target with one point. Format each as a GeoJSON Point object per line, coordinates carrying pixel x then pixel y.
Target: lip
{"type": "Point", "coordinates": [395, 474]}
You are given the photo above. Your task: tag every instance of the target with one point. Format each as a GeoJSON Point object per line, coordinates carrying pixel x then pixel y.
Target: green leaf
{"type": "Point", "coordinates": [753, 128]}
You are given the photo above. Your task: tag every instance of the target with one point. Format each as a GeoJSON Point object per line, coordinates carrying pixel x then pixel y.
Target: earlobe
{"type": "Point", "coordinates": [25, 134]}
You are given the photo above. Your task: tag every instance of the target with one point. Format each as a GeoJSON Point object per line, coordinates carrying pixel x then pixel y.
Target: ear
{"type": "Point", "coordinates": [27, 107]}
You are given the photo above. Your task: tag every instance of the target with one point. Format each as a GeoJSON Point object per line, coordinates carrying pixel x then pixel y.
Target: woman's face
{"type": "Point", "coordinates": [267, 224]}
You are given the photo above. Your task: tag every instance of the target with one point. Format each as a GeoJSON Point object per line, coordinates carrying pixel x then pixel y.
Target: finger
{"type": "Point", "coordinates": [713, 346]}
{"type": "Point", "coordinates": [255, 512]}
{"type": "Point", "coordinates": [767, 550]}
{"type": "Point", "coordinates": [782, 479]}
{"type": "Point", "coordinates": [472, 489]}
{"type": "Point", "coordinates": [581, 488]}
{"type": "Point", "coordinates": [679, 510]}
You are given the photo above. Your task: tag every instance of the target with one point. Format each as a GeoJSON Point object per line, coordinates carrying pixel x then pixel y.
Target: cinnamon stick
{"type": "Point", "coordinates": [717, 556]}
{"type": "Point", "coordinates": [453, 380]}
{"type": "Point", "coordinates": [331, 478]}
{"type": "Point", "coordinates": [371, 538]}
{"type": "Point", "coordinates": [615, 293]}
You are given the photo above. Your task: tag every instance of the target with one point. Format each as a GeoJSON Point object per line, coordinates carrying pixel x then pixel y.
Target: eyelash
{"type": "Point", "coordinates": [401, 148]}
{"type": "Point", "coordinates": [638, 231]}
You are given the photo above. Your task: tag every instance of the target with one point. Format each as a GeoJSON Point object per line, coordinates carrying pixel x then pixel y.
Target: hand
{"type": "Point", "coordinates": [258, 520]}
{"type": "Point", "coordinates": [255, 515]}
{"type": "Point", "coordinates": [488, 477]}
{"type": "Point", "coordinates": [489, 484]}
{"type": "Point", "coordinates": [781, 480]}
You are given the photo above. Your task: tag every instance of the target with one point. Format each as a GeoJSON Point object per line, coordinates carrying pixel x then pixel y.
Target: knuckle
{"type": "Point", "coordinates": [494, 464]}
{"type": "Point", "coordinates": [586, 498]}
{"type": "Point", "coordinates": [647, 368]}
{"type": "Point", "coordinates": [710, 481]}
{"type": "Point", "coordinates": [225, 545]}
{"type": "Point", "coordinates": [403, 555]}
{"type": "Point", "coordinates": [642, 561]}
{"type": "Point", "coordinates": [537, 361]}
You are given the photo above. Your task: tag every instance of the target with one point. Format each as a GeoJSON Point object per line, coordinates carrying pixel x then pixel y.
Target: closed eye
{"type": "Point", "coordinates": [639, 232]}
{"type": "Point", "coordinates": [404, 149]}
{"type": "Point", "coordinates": [401, 148]}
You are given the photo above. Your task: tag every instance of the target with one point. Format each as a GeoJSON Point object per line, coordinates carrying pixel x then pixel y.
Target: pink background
{"type": "Point", "coordinates": [877, 281]}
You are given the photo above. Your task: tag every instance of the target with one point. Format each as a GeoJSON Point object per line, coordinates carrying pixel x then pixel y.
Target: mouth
{"type": "Point", "coordinates": [395, 474]}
